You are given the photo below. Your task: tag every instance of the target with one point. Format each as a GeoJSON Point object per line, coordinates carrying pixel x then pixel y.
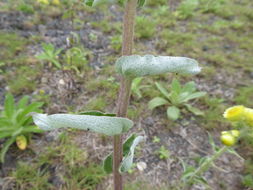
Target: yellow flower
{"type": "Point", "coordinates": [21, 142]}
{"type": "Point", "coordinates": [56, 2]}
{"type": "Point", "coordinates": [229, 138]}
{"type": "Point", "coordinates": [249, 116]}
{"type": "Point", "coordinates": [235, 113]}
{"type": "Point", "coordinates": [43, 2]}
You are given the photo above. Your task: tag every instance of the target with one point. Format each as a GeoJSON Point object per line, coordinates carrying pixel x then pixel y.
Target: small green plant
{"type": "Point", "coordinates": [178, 97]}
{"type": "Point", "coordinates": [136, 86]}
{"type": "Point", "coordinates": [163, 153]}
{"type": "Point", "coordinates": [2, 64]}
{"type": "Point", "coordinates": [15, 124]}
{"type": "Point", "coordinates": [76, 58]}
{"type": "Point", "coordinates": [50, 54]}
{"type": "Point", "coordinates": [156, 139]}
{"type": "Point", "coordinates": [145, 28]}
{"type": "Point", "coordinates": [116, 42]}
{"type": "Point", "coordinates": [186, 9]}
{"type": "Point", "coordinates": [247, 181]}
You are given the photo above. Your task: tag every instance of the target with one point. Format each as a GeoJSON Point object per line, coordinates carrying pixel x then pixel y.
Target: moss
{"type": "Point", "coordinates": [157, 2]}
{"type": "Point", "coordinates": [30, 176]}
{"type": "Point", "coordinates": [25, 80]}
{"type": "Point", "coordinates": [97, 103]}
{"type": "Point", "coordinates": [145, 27]}
{"type": "Point", "coordinates": [174, 41]}
{"type": "Point", "coordinates": [76, 173]}
{"type": "Point", "coordinates": [214, 109]}
{"type": "Point", "coordinates": [244, 96]}
{"type": "Point", "coordinates": [11, 45]}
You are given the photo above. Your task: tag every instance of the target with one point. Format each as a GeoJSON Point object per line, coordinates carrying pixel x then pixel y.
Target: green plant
{"type": "Point", "coordinates": [50, 54]}
{"type": "Point", "coordinates": [186, 8]}
{"type": "Point", "coordinates": [25, 8]}
{"type": "Point", "coordinates": [2, 64]}
{"type": "Point", "coordinates": [76, 58]}
{"type": "Point", "coordinates": [178, 97]}
{"type": "Point", "coordinates": [156, 139]}
{"type": "Point", "coordinates": [136, 86]}
{"type": "Point", "coordinates": [163, 153]}
{"type": "Point", "coordinates": [128, 67]}
{"type": "Point", "coordinates": [145, 28]}
{"type": "Point", "coordinates": [14, 122]}
{"type": "Point", "coordinates": [116, 43]}
{"type": "Point", "coordinates": [247, 181]}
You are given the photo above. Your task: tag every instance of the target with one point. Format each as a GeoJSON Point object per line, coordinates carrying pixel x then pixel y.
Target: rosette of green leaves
{"type": "Point", "coordinates": [15, 122]}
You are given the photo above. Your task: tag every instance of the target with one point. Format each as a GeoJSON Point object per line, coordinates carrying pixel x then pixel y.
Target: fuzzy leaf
{"type": "Point", "coordinates": [141, 3]}
{"type": "Point", "coordinates": [97, 2]}
{"type": "Point", "coordinates": [194, 110]}
{"type": "Point", "coordinates": [128, 152]}
{"type": "Point", "coordinates": [173, 113]}
{"type": "Point", "coordinates": [127, 161]}
{"type": "Point", "coordinates": [100, 124]}
{"type": "Point", "coordinates": [157, 101]}
{"type": "Point", "coordinates": [9, 105]}
{"type": "Point", "coordinates": [162, 90]}
{"type": "Point", "coordinates": [194, 96]}
{"type": "Point", "coordinates": [137, 66]}
{"type": "Point", "coordinates": [97, 113]}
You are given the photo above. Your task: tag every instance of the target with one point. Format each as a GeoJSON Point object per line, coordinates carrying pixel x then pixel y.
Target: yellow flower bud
{"type": "Point", "coordinates": [235, 113]}
{"type": "Point", "coordinates": [56, 2]}
{"type": "Point", "coordinates": [21, 142]}
{"type": "Point", "coordinates": [249, 116]}
{"type": "Point", "coordinates": [43, 2]}
{"type": "Point", "coordinates": [235, 133]}
{"type": "Point", "coordinates": [228, 139]}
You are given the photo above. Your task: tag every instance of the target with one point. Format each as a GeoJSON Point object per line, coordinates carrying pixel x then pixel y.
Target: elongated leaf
{"type": "Point", "coordinates": [100, 124]}
{"type": "Point", "coordinates": [97, 2]}
{"type": "Point", "coordinates": [173, 113]}
{"type": "Point", "coordinates": [23, 101]}
{"type": "Point", "coordinates": [194, 95]}
{"type": "Point", "coordinates": [9, 106]}
{"type": "Point", "coordinates": [108, 164]}
{"type": "Point", "coordinates": [108, 161]}
{"type": "Point", "coordinates": [141, 3]}
{"type": "Point", "coordinates": [5, 148]}
{"type": "Point", "coordinates": [157, 101]}
{"type": "Point", "coordinates": [189, 87]}
{"type": "Point", "coordinates": [127, 161]}
{"type": "Point", "coordinates": [176, 86]}
{"type": "Point", "coordinates": [136, 66]}
{"type": "Point", "coordinates": [33, 107]}
{"type": "Point", "coordinates": [162, 90]}
{"type": "Point", "coordinates": [194, 110]}
{"type": "Point", "coordinates": [97, 113]}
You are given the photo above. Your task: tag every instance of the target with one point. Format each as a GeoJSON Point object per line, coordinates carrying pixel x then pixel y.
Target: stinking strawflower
{"type": "Point", "coordinates": [235, 113]}
{"type": "Point", "coordinates": [46, 2]}
{"type": "Point", "coordinates": [229, 138]}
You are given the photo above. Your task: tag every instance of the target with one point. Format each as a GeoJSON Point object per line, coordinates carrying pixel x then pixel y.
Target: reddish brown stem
{"type": "Point", "coordinates": [125, 89]}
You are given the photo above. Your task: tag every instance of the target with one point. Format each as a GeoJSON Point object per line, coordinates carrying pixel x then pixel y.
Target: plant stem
{"type": "Point", "coordinates": [125, 88]}
{"type": "Point", "coordinates": [206, 165]}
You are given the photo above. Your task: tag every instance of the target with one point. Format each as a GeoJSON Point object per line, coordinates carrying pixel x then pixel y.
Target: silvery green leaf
{"type": "Point", "coordinates": [127, 161]}
{"type": "Point", "coordinates": [137, 66]}
{"type": "Point", "coordinates": [108, 161]}
{"type": "Point", "coordinates": [97, 2]}
{"type": "Point", "coordinates": [100, 124]}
